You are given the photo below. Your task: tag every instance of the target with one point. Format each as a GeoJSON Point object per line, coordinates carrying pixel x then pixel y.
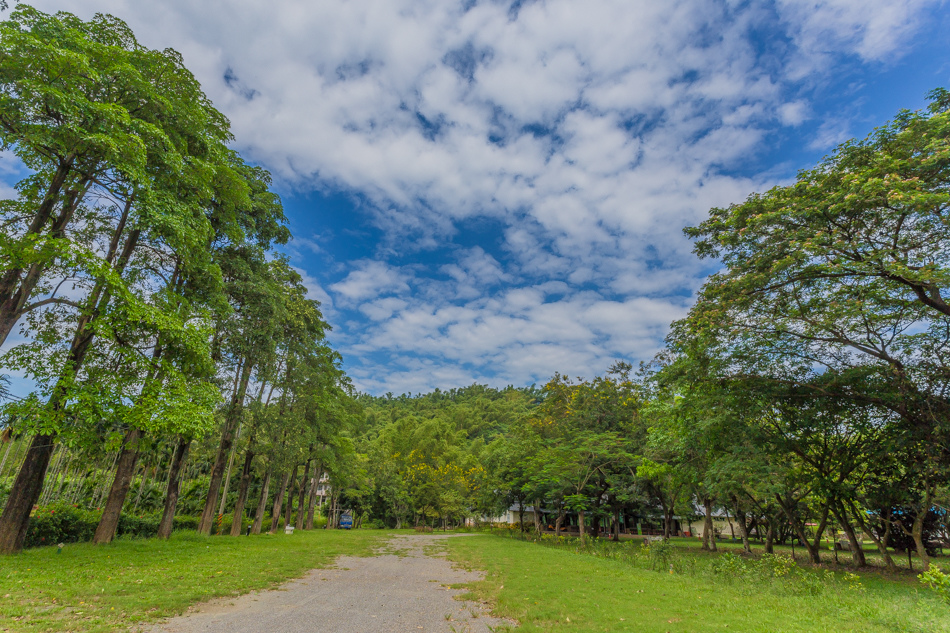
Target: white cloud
{"type": "Point", "coordinates": [589, 133]}
{"type": "Point", "coordinates": [370, 280]}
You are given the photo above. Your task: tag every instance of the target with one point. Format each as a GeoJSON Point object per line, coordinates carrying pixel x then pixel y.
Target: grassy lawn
{"type": "Point", "coordinates": [112, 587]}
{"type": "Point", "coordinates": [548, 589]}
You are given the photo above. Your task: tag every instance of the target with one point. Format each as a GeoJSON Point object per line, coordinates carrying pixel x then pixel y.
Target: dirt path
{"type": "Point", "coordinates": [401, 590]}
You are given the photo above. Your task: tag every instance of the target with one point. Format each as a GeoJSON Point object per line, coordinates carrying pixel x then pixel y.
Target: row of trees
{"type": "Point", "coordinates": [136, 259]}
{"type": "Point", "coordinates": [807, 388]}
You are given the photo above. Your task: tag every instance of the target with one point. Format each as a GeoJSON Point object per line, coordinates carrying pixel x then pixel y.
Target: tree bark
{"type": "Point", "coordinates": [224, 450]}
{"type": "Point", "coordinates": [278, 504]}
{"type": "Point", "coordinates": [537, 516]}
{"type": "Point", "coordinates": [124, 471]}
{"type": "Point", "coordinates": [580, 527]}
{"type": "Point", "coordinates": [174, 484]}
{"type": "Point", "coordinates": [261, 505]}
{"type": "Point", "coordinates": [617, 525]}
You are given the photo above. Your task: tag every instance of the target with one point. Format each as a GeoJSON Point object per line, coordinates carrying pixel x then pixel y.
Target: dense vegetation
{"type": "Point", "coordinates": [181, 369]}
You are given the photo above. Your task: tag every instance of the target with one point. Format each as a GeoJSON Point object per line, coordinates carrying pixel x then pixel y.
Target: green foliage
{"type": "Point", "coordinates": [63, 523]}
{"type": "Point", "coordinates": [937, 580]}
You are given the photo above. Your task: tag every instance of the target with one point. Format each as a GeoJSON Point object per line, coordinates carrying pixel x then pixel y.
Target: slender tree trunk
{"type": "Point", "coordinates": [227, 476]}
{"type": "Point", "coordinates": [313, 497]}
{"type": "Point", "coordinates": [302, 496]}
{"type": "Point", "coordinates": [917, 528]}
{"type": "Point", "coordinates": [857, 551]}
{"type": "Point", "coordinates": [224, 450]}
{"type": "Point", "coordinates": [311, 504]}
{"type": "Point", "coordinates": [238, 519]}
{"type": "Point", "coordinates": [580, 527]}
{"type": "Point", "coordinates": [667, 521]}
{"type": "Point", "coordinates": [278, 504]}
{"type": "Point", "coordinates": [9, 442]}
{"type": "Point", "coordinates": [174, 485]}
{"type": "Point", "coordinates": [124, 471]}
{"type": "Point", "coordinates": [288, 515]}
{"type": "Point", "coordinates": [261, 505]}
{"type": "Point", "coordinates": [743, 528]}
{"type": "Point", "coordinates": [14, 291]}
{"type": "Point", "coordinates": [537, 516]}
{"type": "Point", "coordinates": [709, 531]}
{"type": "Point", "coordinates": [617, 525]}
{"type": "Point", "coordinates": [770, 537]}
{"type": "Point", "coordinates": [788, 507]}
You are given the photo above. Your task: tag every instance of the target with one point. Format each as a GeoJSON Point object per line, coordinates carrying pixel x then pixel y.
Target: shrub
{"type": "Point", "coordinates": [938, 581]}
{"type": "Point", "coordinates": [63, 523]}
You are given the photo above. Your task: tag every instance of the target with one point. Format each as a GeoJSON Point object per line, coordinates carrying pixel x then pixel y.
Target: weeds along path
{"type": "Point", "coordinates": [401, 589]}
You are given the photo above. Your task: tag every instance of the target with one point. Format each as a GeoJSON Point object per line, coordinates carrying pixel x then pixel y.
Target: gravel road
{"type": "Point", "coordinates": [401, 590]}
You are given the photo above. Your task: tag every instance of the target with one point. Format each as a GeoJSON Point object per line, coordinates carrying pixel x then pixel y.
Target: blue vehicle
{"type": "Point", "coordinates": [346, 521]}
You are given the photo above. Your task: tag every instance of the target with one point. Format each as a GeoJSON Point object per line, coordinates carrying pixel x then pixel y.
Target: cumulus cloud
{"type": "Point", "coordinates": [588, 133]}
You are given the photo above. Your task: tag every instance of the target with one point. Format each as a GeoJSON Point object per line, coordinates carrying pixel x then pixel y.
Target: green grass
{"type": "Point", "coordinates": [550, 589]}
{"type": "Point", "coordinates": [128, 582]}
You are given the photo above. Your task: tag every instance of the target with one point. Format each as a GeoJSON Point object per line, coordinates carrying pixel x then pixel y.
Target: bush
{"type": "Point", "coordinates": [938, 581]}
{"type": "Point", "coordinates": [61, 524]}
{"type": "Point", "coordinates": [64, 523]}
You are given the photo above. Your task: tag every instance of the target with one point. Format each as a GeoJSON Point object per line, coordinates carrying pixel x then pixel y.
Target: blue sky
{"type": "Point", "coordinates": [492, 192]}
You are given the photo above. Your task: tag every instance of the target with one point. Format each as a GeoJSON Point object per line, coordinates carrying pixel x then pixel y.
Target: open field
{"type": "Point", "coordinates": [545, 588]}
{"type": "Point", "coordinates": [112, 587]}
{"type": "Point", "coordinates": [548, 589]}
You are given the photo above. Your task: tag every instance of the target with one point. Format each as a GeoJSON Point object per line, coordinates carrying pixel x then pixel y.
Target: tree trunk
{"type": "Point", "coordinates": [288, 515]}
{"type": "Point", "coordinates": [313, 496]}
{"type": "Point", "coordinates": [558, 522]}
{"type": "Point", "coordinates": [302, 497]}
{"type": "Point", "coordinates": [227, 475]}
{"type": "Point", "coordinates": [311, 504]}
{"type": "Point", "coordinates": [709, 531]}
{"type": "Point", "coordinates": [174, 484]}
{"type": "Point", "coordinates": [857, 551]}
{"type": "Point", "coordinates": [14, 293]}
{"type": "Point", "coordinates": [667, 522]}
{"type": "Point", "coordinates": [26, 489]}
{"type": "Point", "coordinates": [238, 519]}
{"type": "Point", "coordinates": [521, 518]}
{"type": "Point", "coordinates": [124, 471]}
{"type": "Point", "coordinates": [224, 450]}
{"type": "Point", "coordinates": [537, 516]}
{"type": "Point", "coordinates": [580, 527]}
{"type": "Point", "coordinates": [261, 505]}
{"type": "Point", "coordinates": [617, 526]}
{"type": "Point", "coordinates": [743, 528]}
{"type": "Point", "coordinates": [278, 504]}
{"type": "Point", "coordinates": [770, 537]}
{"type": "Point", "coordinates": [814, 552]}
